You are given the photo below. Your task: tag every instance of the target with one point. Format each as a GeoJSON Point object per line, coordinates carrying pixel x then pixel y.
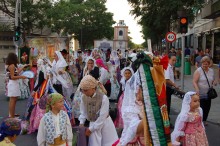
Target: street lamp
{"type": "Point", "coordinates": [81, 38]}
{"type": "Point", "coordinates": [82, 22]}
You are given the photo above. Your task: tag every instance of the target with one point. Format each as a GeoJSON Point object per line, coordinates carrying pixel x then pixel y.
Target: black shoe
{"type": "Point", "coordinates": [171, 126]}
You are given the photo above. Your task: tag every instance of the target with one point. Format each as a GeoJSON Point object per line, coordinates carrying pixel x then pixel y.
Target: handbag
{"type": "Point", "coordinates": [212, 94]}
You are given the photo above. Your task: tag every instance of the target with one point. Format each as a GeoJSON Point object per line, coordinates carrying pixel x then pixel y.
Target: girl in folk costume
{"type": "Point", "coordinates": [35, 112]}
{"type": "Point", "coordinates": [9, 130]}
{"type": "Point", "coordinates": [24, 85]}
{"type": "Point", "coordinates": [130, 110]}
{"type": "Point", "coordinates": [96, 53]}
{"type": "Point", "coordinates": [95, 108]}
{"type": "Point", "coordinates": [116, 61]}
{"type": "Point", "coordinates": [104, 76]}
{"type": "Point", "coordinates": [61, 80]}
{"type": "Point", "coordinates": [126, 74]}
{"type": "Point", "coordinates": [130, 135]}
{"type": "Point", "coordinates": [189, 129]}
{"type": "Point", "coordinates": [114, 83]}
{"type": "Point", "coordinates": [73, 70]}
{"type": "Point", "coordinates": [55, 128]}
{"type": "Point", "coordinates": [152, 124]}
{"type": "Point", "coordinates": [34, 69]}
{"type": "Point", "coordinates": [89, 69]}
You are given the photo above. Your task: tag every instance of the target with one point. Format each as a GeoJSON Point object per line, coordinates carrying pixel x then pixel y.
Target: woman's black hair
{"type": "Point", "coordinates": [170, 55]}
{"type": "Point", "coordinates": [12, 59]}
{"type": "Point", "coordinates": [128, 70]}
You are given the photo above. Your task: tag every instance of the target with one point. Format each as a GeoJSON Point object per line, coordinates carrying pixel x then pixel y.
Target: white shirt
{"type": "Point", "coordinates": [202, 82]}
{"type": "Point", "coordinates": [56, 123]}
{"type": "Point", "coordinates": [169, 73]}
{"type": "Point", "coordinates": [104, 76]}
{"type": "Point", "coordinates": [104, 112]}
{"type": "Point", "coordinates": [41, 135]}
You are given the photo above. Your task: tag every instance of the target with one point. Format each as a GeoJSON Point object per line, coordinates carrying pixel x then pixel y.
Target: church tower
{"type": "Point", "coordinates": [121, 36]}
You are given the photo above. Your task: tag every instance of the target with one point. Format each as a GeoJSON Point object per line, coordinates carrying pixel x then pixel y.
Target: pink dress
{"type": "Point", "coordinates": [35, 118]}
{"type": "Point", "coordinates": [194, 132]}
{"type": "Point", "coordinates": [119, 121]}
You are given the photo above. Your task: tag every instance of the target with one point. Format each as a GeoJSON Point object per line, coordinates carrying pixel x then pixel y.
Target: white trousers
{"type": "Point", "coordinates": [131, 122]}
{"type": "Point", "coordinates": [106, 135]}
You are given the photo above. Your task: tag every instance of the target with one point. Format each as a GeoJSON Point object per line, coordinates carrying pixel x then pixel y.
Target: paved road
{"type": "Point", "coordinates": [212, 130]}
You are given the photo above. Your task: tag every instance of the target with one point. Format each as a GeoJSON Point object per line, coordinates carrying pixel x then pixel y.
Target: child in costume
{"type": "Point", "coordinates": [126, 74]}
{"type": "Point", "coordinates": [55, 127]}
{"type": "Point", "coordinates": [132, 120]}
{"type": "Point", "coordinates": [189, 129]}
{"type": "Point", "coordinates": [9, 130]}
{"type": "Point", "coordinates": [34, 112]}
{"type": "Point", "coordinates": [95, 108]}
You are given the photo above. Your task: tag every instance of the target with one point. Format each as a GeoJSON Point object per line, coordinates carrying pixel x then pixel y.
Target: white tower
{"type": "Point", "coordinates": [120, 36]}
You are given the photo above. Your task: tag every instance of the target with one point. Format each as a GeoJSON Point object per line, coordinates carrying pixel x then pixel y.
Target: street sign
{"type": "Point", "coordinates": [170, 37]}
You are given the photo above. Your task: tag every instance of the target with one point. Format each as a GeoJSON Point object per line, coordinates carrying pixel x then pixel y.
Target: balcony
{"type": "Point", "coordinates": [211, 10]}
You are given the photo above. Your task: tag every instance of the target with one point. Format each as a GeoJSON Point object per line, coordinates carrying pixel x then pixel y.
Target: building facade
{"type": "Point", "coordinates": [120, 40]}
{"type": "Point", "coordinates": [204, 32]}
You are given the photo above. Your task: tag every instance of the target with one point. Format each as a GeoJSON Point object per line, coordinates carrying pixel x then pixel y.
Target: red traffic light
{"type": "Point", "coordinates": [183, 20]}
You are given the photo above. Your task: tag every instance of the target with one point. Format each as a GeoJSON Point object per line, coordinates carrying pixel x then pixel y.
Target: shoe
{"type": "Point", "coordinates": [17, 115]}
{"type": "Point", "coordinates": [171, 126]}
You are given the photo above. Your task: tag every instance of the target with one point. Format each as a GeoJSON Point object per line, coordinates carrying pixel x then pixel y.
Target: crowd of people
{"type": "Point", "coordinates": [78, 90]}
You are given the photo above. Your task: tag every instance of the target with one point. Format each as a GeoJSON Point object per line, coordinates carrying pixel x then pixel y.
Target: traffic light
{"type": "Point", "coordinates": [17, 33]}
{"type": "Point", "coordinates": [183, 25]}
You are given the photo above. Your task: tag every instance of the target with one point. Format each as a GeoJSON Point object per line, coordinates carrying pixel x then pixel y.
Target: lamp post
{"type": "Point", "coordinates": [82, 24]}
{"type": "Point", "coordinates": [81, 39]}
{"type": "Point", "coordinates": [17, 18]}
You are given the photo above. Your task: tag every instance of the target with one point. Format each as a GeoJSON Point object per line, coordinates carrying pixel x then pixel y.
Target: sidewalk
{"type": "Point", "coordinates": [214, 114]}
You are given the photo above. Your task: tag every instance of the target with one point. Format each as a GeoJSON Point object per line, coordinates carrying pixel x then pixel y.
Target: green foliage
{"type": "Point", "coordinates": [132, 45]}
{"type": "Point", "coordinates": [156, 16]}
{"type": "Point", "coordinates": [77, 17]}
{"type": "Point", "coordinates": [33, 14]}
{"type": "Point", "coordinates": [86, 20]}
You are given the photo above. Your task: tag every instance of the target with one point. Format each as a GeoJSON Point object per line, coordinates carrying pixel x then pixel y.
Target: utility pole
{"type": "Point", "coordinates": [182, 62]}
{"type": "Point", "coordinates": [17, 24]}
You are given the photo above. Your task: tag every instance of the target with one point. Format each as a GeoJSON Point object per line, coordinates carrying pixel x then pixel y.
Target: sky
{"type": "Point", "coordinates": [121, 10]}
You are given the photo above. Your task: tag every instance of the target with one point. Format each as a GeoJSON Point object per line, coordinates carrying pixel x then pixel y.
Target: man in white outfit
{"type": "Point", "coordinates": [95, 108]}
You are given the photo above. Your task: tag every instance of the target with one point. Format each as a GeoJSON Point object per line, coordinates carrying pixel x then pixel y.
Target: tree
{"type": "Point", "coordinates": [131, 44]}
{"type": "Point", "coordinates": [33, 14]}
{"type": "Point", "coordinates": [87, 20]}
{"type": "Point", "coordinates": [156, 16]}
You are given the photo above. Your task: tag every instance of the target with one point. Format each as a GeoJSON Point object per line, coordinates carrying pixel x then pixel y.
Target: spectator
{"type": "Point", "coordinates": [198, 58]}
{"type": "Point", "coordinates": [13, 83]}
{"type": "Point", "coordinates": [207, 52]}
{"type": "Point", "coordinates": [169, 76]}
{"type": "Point", "coordinates": [172, 51]}
{"type": "Point", "coordinates": [187, 51]}
{"type": "Point", "coordinates": [201, 85]}
{"type": "Point", "coordinates": [178, 64]}
{"type": "Point", "coordinates": [192, 55]}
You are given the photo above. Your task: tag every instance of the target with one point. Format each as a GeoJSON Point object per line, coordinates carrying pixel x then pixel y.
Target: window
{"type": "Point", "coordinates": [120, 33]}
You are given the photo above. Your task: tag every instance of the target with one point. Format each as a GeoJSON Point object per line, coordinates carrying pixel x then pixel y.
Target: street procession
{"type": "Point", "coordinates": [72, 78]}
